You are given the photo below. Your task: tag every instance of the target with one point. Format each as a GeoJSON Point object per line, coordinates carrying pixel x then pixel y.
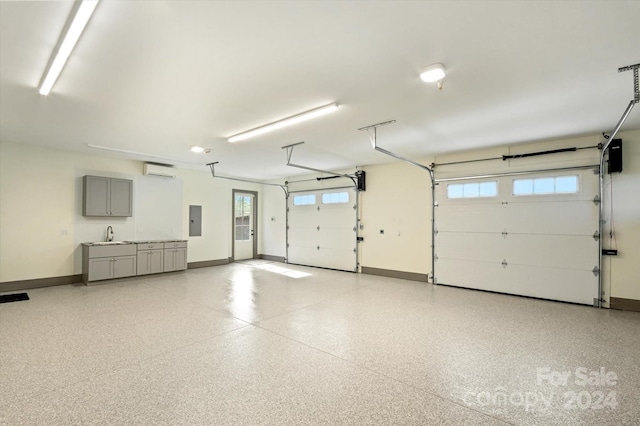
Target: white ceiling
{"type": "Point", "coordinates": [157, 77]}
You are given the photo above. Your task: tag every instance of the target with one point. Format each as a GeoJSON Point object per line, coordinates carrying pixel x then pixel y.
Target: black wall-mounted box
{"type": "Point", "coordinates": [361, 175]}
{"type": "Point", "coordinates": [615, 156]}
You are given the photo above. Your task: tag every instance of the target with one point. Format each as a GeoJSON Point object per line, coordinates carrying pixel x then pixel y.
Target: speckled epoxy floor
{"type": "Point", "coordinates": [268, 343]}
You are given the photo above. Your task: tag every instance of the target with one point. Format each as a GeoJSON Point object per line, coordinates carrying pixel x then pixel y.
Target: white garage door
{"type": "Point", "coordinates": [530, 235]}
{"type": "Point", "coordinates": [321, 228]}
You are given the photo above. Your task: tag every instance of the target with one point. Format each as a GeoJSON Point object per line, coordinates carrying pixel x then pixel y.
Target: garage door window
{"type": "Point", "coordinates": [304, 200]}
{"type": "Point", "coordinates": [472, 190]}
{"type": "Point", "coordinates": [546, 185]}
{"type": "Point", "coordinates": [335, 197]}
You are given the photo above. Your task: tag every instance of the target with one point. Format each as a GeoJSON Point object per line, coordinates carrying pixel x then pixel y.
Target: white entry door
{"type": "Point", "coordinates": [530, 235]}
{"type": "Point", "coordinates": [321, 228]}
{"type": "Point", "coordinates": [243, 225]}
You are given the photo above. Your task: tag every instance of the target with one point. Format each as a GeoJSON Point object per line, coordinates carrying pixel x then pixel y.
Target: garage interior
{"type": "Point", "coordinates": [457, 249]}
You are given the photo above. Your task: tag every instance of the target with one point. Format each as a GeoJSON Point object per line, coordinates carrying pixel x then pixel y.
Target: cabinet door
{"type": "Point", "coordinates": [100, 268]}
{"type": "Point", "coordinates": [175, 259]}
{"type": "Point", "coordinates": [180, 262]}
{"type": "Point", "coordinates": [121, 193]}
{"type": "Point", "coordinates": [169, 260]}
{"type": "Point", "coordinates": [150, 261]}
{"type": "Point", "coordinates": [143, 263]}
{"type": "Point", "coordinates": [156, 261]}
{"type": "Point", "coordinates": [95, 196]}
{"type": "Point", "coordinates": [124, 266]}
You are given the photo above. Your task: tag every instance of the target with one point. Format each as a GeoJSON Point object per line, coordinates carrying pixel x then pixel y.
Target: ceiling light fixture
{"type": "Point", "coordinates": [200, 150]}
{"type": "Point", "coordinates": [294, 119]}
{"type": "Point", "coordinates": [433, 73]}
{"type": "Point", "coordinates": [69, 39]}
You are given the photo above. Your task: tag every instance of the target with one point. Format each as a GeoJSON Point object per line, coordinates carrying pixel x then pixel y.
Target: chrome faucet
{"type": "Point", "coordinates": [109, 233]}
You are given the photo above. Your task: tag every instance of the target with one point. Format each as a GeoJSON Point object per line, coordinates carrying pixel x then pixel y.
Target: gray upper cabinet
{"type": "Point", "coordinates": [103, 196]}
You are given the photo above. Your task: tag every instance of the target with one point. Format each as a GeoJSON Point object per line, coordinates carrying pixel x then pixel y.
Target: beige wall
{"type": "Point", "coordinates": [41, 227]}
{"type": "Point", "coordinates": [397, 201]}
{"type": "Point", "coordinates": [41, 222]}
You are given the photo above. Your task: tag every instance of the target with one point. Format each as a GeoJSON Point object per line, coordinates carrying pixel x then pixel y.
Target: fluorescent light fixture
{"type": "Point", "coordinates": [294, 119]}
{"type": "Point", "coordinates": [433, 73]}
{"type": "Point", "coordinates": [69, 40]}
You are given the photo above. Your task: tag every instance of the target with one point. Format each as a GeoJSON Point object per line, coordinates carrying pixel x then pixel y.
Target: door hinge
{"type": "Point", "coordinates": [435, 231]}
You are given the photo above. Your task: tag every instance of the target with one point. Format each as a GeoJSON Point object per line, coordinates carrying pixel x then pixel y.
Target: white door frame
{"type": "Point", "coordinates": [254, 221]}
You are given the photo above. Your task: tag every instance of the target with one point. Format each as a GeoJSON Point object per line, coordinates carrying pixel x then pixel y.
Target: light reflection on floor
{"type": "Point", "coordinates": [272, 267]}
{"type": "Point", "coordinates": [242, 297]}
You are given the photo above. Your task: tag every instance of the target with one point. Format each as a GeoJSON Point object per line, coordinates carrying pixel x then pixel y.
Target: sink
{"type": "Point", "coordinates": [109, 243]}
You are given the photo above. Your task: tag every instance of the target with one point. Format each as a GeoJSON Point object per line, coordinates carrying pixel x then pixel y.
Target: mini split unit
{"type": "Point", "coordinates": [151, 169]}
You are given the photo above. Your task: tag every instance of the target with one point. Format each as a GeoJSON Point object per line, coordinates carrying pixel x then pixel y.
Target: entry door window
{"type": "Point", "coordinates": [243, 217]}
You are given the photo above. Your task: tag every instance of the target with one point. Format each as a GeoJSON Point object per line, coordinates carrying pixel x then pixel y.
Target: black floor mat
{"type": "Point", "coordinates": [14, 297]}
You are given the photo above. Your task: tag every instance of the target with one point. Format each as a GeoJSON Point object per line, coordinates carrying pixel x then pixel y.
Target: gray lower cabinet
{"type": "Point", "coordinates": [107, 262]}
{"type": "Point", "coordinates": [175, 256]}
{"type": "Point", "coordinates": [103, 196]}
{"type": "Point", "coordinates": [150, 258]}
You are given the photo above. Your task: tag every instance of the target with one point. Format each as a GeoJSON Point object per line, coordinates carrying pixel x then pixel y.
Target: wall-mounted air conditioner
{"type": "Point", "coordinates": [150, 169]}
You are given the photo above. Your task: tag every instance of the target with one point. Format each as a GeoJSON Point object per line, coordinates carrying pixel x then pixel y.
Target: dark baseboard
{"type": "Point", "coordinates": [412, 276]}
{"type": "Point", "coordinates": [40, 282]}
{"type": "Point", "coordinates": [624, 304]}
{"type": "Point", "coordinates": [273, 258]}
{"type": "Point", "coordinates": [207, 263]}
